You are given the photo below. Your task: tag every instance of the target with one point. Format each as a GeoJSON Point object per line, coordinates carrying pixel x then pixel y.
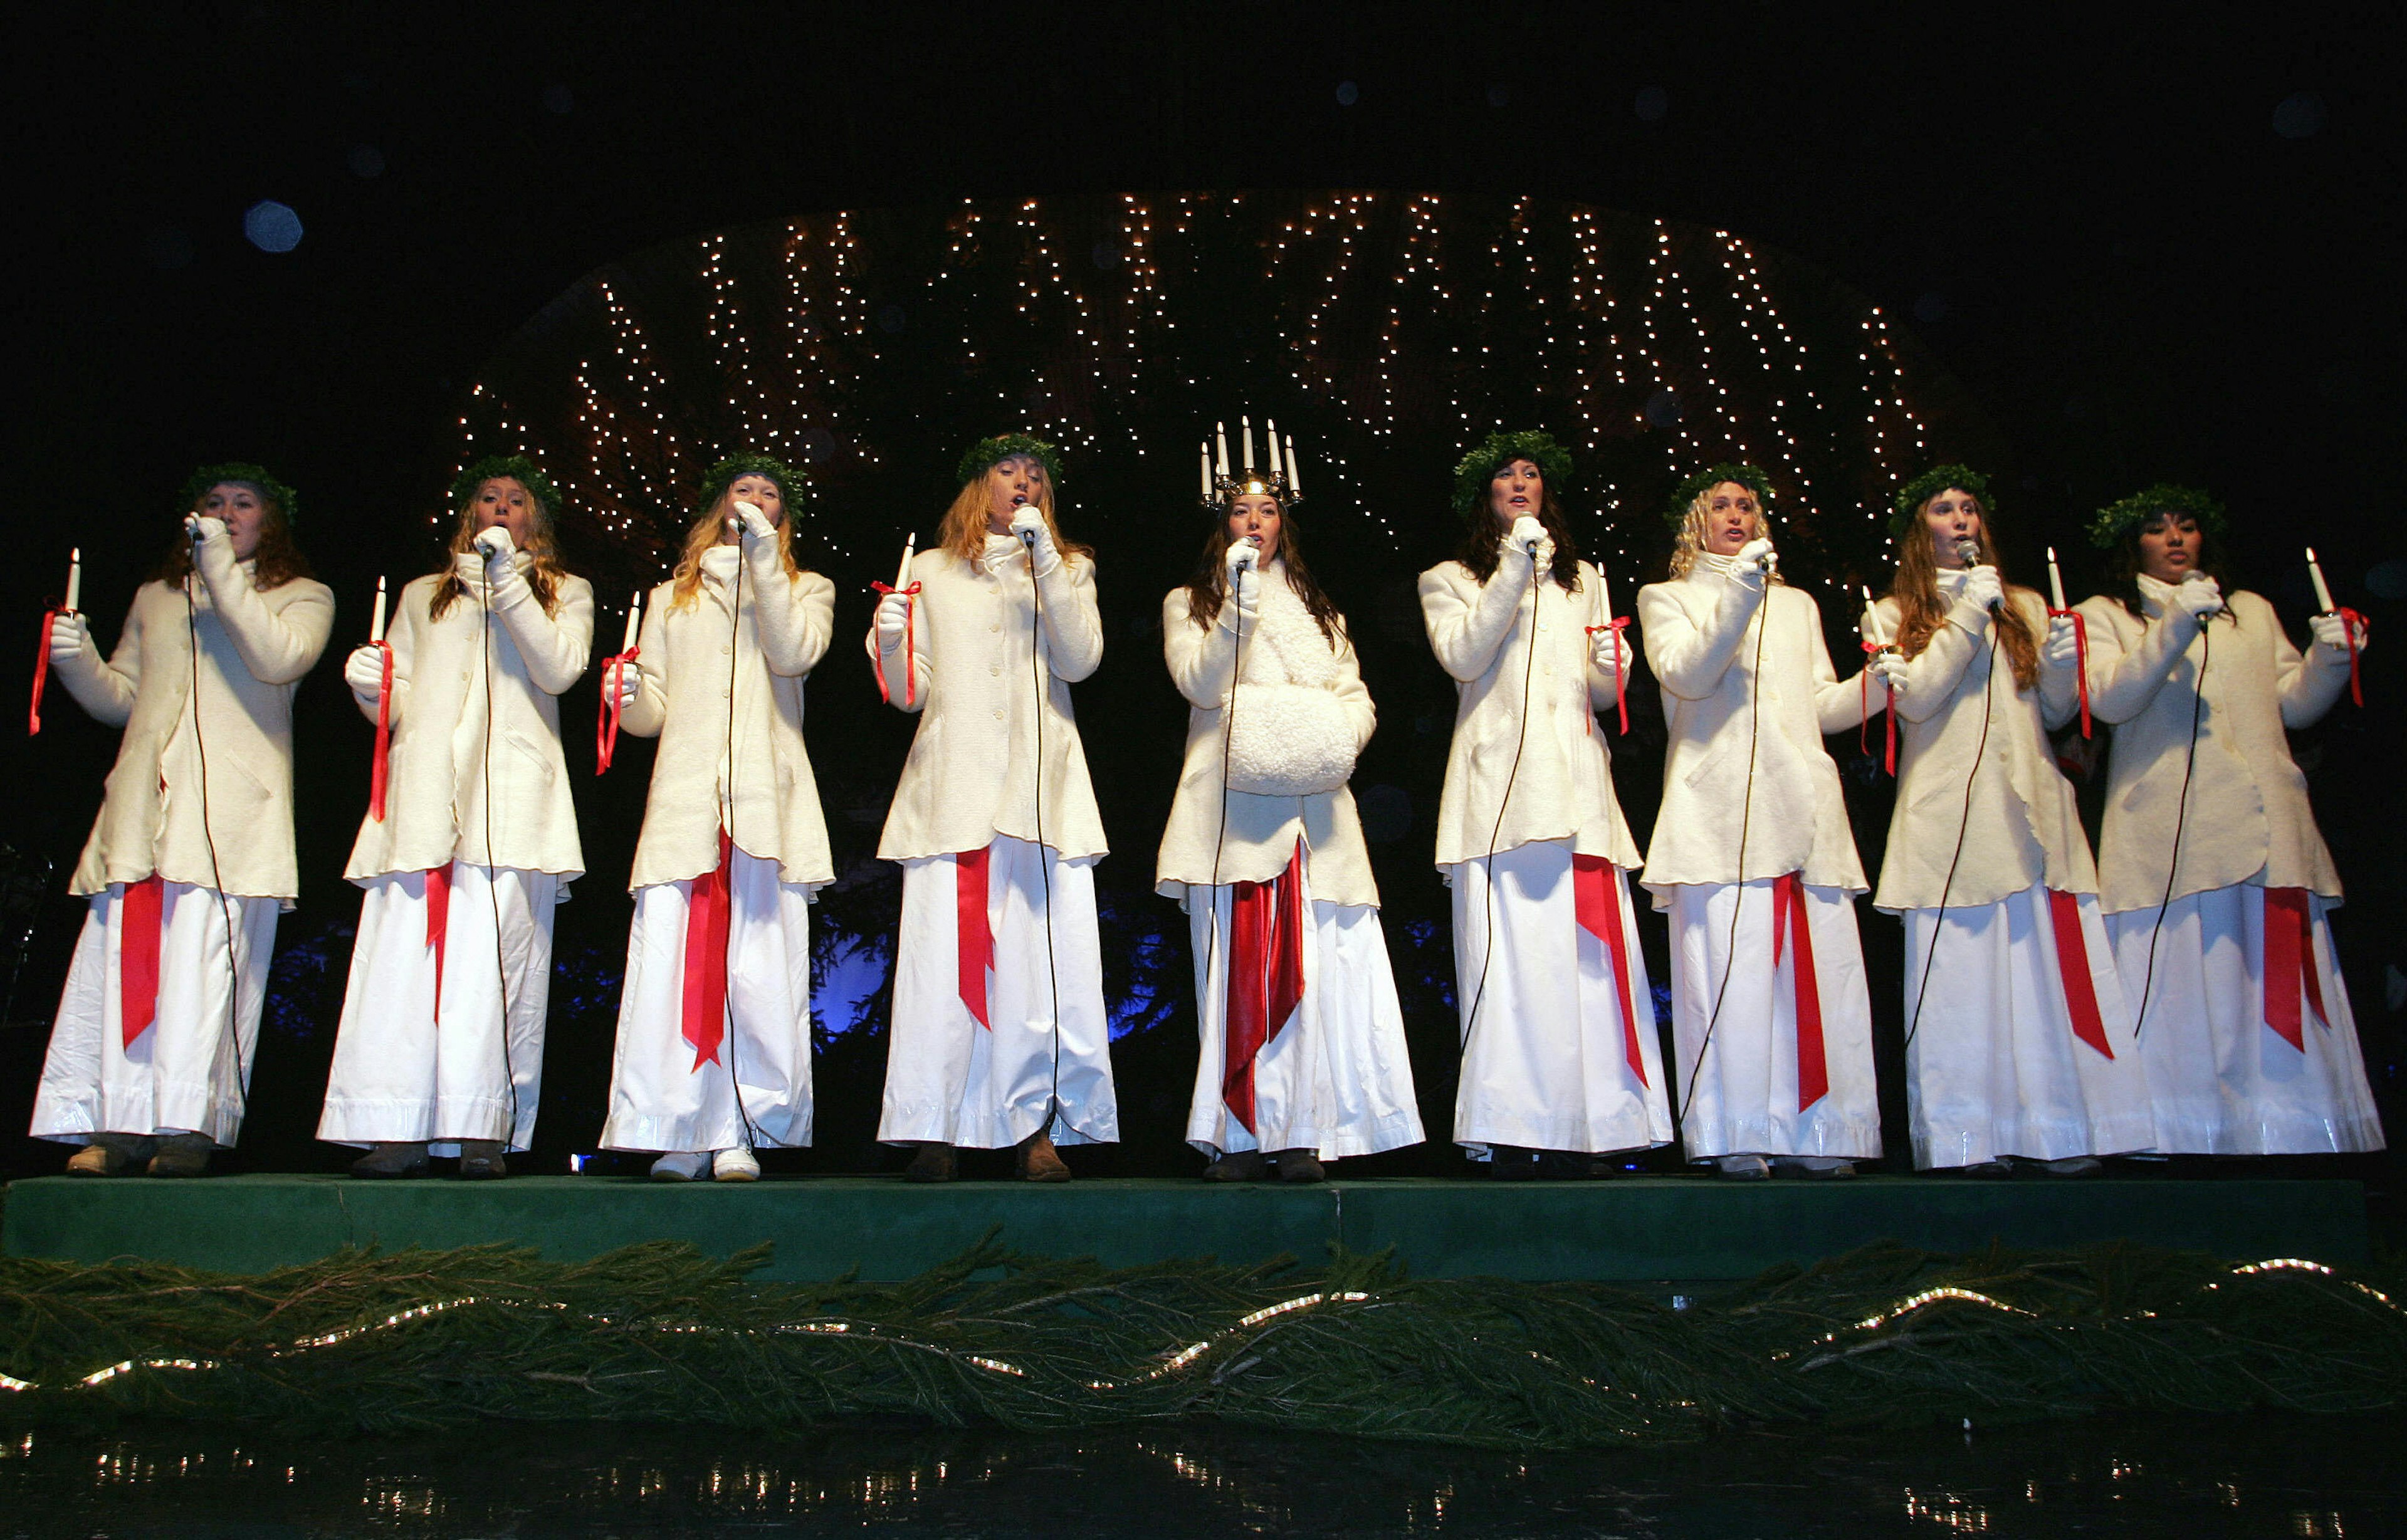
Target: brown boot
{"type": "Point", "coordinates": [480, 1160]}
{"type": "Point", "coordinates": [934, 1163]}
{"type": "Point", "coordinates": [391, 1161]}
{"type": "Point", "coordinates": [1038, 1161]}
{"type": "Point", "coordinates": [112, 1155]}
{"type": "Point", "coordinates": [183, 1155]}
{"type": "Point", "coordinates": [1299, 1165]}
{"type": "Point", "coordinates": [1239, 1165]}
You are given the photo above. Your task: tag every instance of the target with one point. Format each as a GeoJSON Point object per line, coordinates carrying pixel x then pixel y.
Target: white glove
{"type": "Point", "coordinates": [1028, 525]}
{"type": "Point", "coordinates": [894, 618]}
{"type": "Point", "coordinates": [1607, 652]}
{"type": "Point", "coordinates": [756, 523]}
{"type": "Point", "coordinates": [2330, 631]}
{"type": "Point", "coordinates": [497, 544]}
{"type": "Point", "coordinates": [1982, 588]}
{"type": "Point", "coordinates": [70, 637]}
{"type": "Point", "coordinates": [1243, 556]}
{"type": "Point", "coordinates": [2063, 645]}
{"type": "Point", "coordinates": [469, 567]}
{"type": "Point", "coordinates": [210, 530]}
{"type": "Point", "coordinates": [1891, 668]}
{"type": "Point", "coordinates": [1527, 532]}
{"type": "Point", "coordinates": [630, 684]}
{"type": "Point", "coordinates": [363, 671]}
{"type": "Point", "coordinates": [2201, 596]}
{"type": "Point", "coordinates": [1755, 553]}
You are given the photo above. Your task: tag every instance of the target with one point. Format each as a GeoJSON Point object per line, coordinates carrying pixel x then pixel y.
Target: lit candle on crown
{"type": "Point", "coordinates": [1294, 483]}
{"type": "Point", "coordinates": [1245, 439]}
{"type": "Point", "coordinates": [2055, 580]}
{"type": "Point", "coordinates": [1205, 450]}
{"type": "Point", "coordinates": [2323, 592]}
{"type": "Point", "coordinates": [376, 616]}
{"type": "Point", "coordinates": [75, 578]}
{"type": "Point", "coordinates": [1220, 438]}
{"type": "Point", "coordinates": [1269, 444]}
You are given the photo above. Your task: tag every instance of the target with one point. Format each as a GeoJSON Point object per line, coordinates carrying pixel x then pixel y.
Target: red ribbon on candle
{"type": "Point", "coordinates": [2351, 624]}
{"type": "Point", "coordinates": [605, 723]}
{"type": "Point", "coordinates": [1864, 720]}
{"type": "Point", "coordinates": [2080, 666]}
{"type": "Point", "coordinates": [1621, 695]}
{"type": "Point", "coordinates": [910, 628]}
{"type": "Point", "coordinates": [42, 668]}
{"type": "Point", "coordinates": [384, 733]}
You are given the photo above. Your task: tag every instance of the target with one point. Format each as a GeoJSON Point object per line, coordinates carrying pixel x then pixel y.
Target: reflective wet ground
{"type": "Point", "coordinates": [2170, 1477]}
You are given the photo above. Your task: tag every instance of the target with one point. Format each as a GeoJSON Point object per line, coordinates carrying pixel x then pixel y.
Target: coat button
{"type": "Point", "coordinates": [995, 669]}
{"type": "Point", "coordinates": [997, 626]}
{"type": "Point", "coordinates": [997, 716]}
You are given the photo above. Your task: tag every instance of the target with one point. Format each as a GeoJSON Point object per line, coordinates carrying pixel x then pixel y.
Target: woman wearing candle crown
{"type": "Point", "coordinates": [999, 1037]}
{"type": "Point", "coordinates": [2217, 885]}
{"type": "Point", "coordinates": [2023, 1050]}
{"type": "Point", "coordinates": [440, 1048]}
{"type": "Point", "coordinates": [1304, 1057]}
{"type": "Point", "coordinates": [1752, 857]}
{"type": "Point", "coordinates": [192, 857]}
{"type": "Point", "coordinates": [714, 1052]}
{"type": "Point", "coordinates": [1559, 1047]}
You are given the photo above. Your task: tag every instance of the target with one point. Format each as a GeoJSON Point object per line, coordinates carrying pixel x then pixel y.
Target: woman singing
{"type": "Point", "coordinates": [999, 1036]}
{"type": "Point", "coordinates": [440, 1048]}
{"type": "Point", "coordinates": [191, 858]}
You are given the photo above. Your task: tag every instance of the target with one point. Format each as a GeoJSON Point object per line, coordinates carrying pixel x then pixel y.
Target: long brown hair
{"type": "Point", "coordinates": [685, 589]}
{"type": "Point", "coordinates": [1916, 589]}
{"type": "Point", "coordinates": [964, 530]}
{"type": "Point", "coordinates": [1479, 550]}
{"type": "Point", "coordinates": [1209, 586]}
{"type": "Point", "coordinates": [2123, 583]}
{"type": "Point", "coordinates": [279, 561]}
{"type": "Point", "coordinates": [543, 577]}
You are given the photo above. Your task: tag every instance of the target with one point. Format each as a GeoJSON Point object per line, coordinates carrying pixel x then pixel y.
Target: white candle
{"type": "Point", "coordinates": [1246, 438]}
{"type": "Point", "coordinates": [1873, 619]}
{"type": "Point", "coordinates": [1220, 438]}
{"type": "Point", "coordinates": [74, 579]}
{"type": "Point", "coordinates": [2055, 580]}
{"type": "Point", "coordinates": [1603, 592]}
{"type": "Point", "coordinates": [902, 572]}
{"type": "Point", "coordinates": [2323, 593]}
{"type": "Point", "coordinates": [1294, 483]}
{"type": "Point", "coordinates": [1270, 444]}
{"type": "Point", "coordinates": [634, 621]}
{"type": "Point", "coordinates": [1206, 451]}
{"type": "Point", "coordinates": [376, 616]}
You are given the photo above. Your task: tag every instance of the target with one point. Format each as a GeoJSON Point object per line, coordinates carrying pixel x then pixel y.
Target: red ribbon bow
{"type": "Point", "coordinates": [605, 723]}
{"type": "Point", "coordinates": [910, 628]}
{"type": "Point", "coordinates": [2080, 660]}
{"type": "Point", "coordinates": [1864, 720]}
{"type": "Point", "coordinates": [42, 668]}
{"type": "Point", "coordinates": [384, 733]}
{"type": "Point", "coordinates": [2352, 624]}
{"type": "Point", "coordinates": [1620, 696]}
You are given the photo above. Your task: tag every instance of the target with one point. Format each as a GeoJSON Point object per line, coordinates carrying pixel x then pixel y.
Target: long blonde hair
{"type": "Point", "coordinates": [685, 590]}
{"type": "Point", "coordinates": [543, 576]}
{"type": "Point", "coordinates": [1689, 543]}
{"type": "Point", "coordinates": [1921, 613]}
{"type": "Point", "coordinates": [964, 529]}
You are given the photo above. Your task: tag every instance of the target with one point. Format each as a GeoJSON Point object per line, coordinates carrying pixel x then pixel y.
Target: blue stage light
{"type": "Point", "coordinates": [271, 226]}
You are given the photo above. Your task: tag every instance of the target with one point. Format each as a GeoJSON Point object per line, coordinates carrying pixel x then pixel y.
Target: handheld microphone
{"type": "Point", "coordinates": [490, 542]}
{"type": "Point", "coordinates": [1027, 537]}
{"type": "Point", "coordinates": [2194, 576]}
{"type": "Point", "coordinates": [193, 529]}
{"type": "Point", "coordinates": [1967, 553]}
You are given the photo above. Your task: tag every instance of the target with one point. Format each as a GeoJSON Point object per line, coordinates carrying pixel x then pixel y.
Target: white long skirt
{"type": "Point", "coordinates": [1546, 1059]}
{"type": "Point", "coordinates": [186, 1073]}
{"type": "Point", "coordinates": [1335, 1078]}
{"type": "Point", "coordinates": [663, 1093]}
{"type": "Point", "coordinates": [1742, 1080]}
{"type": "Point", "coordinates": [1039, 1066]}
{"type": "Point", "coordinates": [1994, 1067]}
{"type": "Point", "coordinates": [400, 1076]}
{"type": "Point", "coordinates": [2224, 1081]}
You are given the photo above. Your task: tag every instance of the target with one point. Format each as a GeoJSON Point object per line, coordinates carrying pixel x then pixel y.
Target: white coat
{"type": "Point", "coordinates": [1283, 646]}
{"type": "Point", "coordinates": [435, 797]}
{"type": "Point", "coordinates": [2021, 829]}
{"type": "Point", "coordinates": [2247, 818]}
{"type": "Point", "coordinates": [971, 774]}
{"type": "Point", "coordinates": [687, 658]}
{"type": "Point", "coordinates": [254, 644]}
{"type": "Point", "coordinates": [1482, 635]}
{"type": "Point", "coordinates": [1746, 742]}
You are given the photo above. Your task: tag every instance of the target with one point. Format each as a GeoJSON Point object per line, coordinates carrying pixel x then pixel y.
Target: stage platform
{"type": "Point", "coordinates": [1637, 1229]}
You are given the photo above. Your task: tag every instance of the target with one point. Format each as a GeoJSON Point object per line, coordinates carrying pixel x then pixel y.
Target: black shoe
{"type": "Point", "coordinates": [1299, 1165]}
{"type": "Point", "coordinates": [480, 1160]}
{"type": "Point", "coordinates": [1511, 1162]}
{"type": "Point", "coordinates": [1238, 1165]}
{"type": "Point", "coordinates": [391, 1162]}
{"type": "Point", "coordinates": [183, 1155]}
{"type": "Point", "coordinates": [934, 1163]}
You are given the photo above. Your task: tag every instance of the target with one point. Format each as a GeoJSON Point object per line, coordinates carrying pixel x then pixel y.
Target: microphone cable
{"type": "Point", "coordinates": [208, 838]}
{"type": "Point", "coordinates": [1044, 856]}
{"type": "Point", "coordinates": [726, 947]}
{"type": "Point", "coordinates": [1971, 779]}
{"type": "Point", "coordinates": [1528, 666]}
{"type": "Point", "coordinates": [493, 863]}
{"type": "Point", "coordinates": [2181, 817]}
{"type": "Point", "coordinates": [1228, 739]}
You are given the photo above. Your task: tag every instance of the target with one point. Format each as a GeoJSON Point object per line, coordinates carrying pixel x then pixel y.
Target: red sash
{"type": "Point", "coordinates": [2290, 965]}
{"type": "Point", "coordinates": [1265, 976]}
{"type": "Point", "coordinates": [1791, 928]}
{"type": "Point", "coordinates": [703, 1005]}
{"type": "Point", "coordinates": [1596, 901]}
{"type": "Point", "coordinates": [438, 924]}
{"type": "Point", "coordinates": [2073, 966]}
{"type": "Point", "coordinates": [973, 932]}
{"type": "Point", "coordinates": [138, 921]}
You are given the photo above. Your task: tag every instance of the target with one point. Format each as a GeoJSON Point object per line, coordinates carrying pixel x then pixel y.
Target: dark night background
{"type": "Point", "coordinates": [2162, 245]}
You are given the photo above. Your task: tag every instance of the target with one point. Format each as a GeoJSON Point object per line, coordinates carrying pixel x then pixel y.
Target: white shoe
{"type": "Point", "coordinates": [735, 1165]}
{"type": "Point", "coordinates": [681, 1165]}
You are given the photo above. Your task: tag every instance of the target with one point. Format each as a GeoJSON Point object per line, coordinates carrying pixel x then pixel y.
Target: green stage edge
{"type": "Point", "coordinates": [1633, 1229]}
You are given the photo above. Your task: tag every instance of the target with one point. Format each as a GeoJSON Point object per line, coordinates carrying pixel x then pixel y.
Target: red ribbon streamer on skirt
{"type": "Point", "coordinates": [1620, 696]}
{"type": "Point", "coordinates": [384, 734]}
{"type": "Point", "coordinates": [1265, 976]}
{"type": "Point", "coordinates": [1596, 902]}
{"type": "Point", "coordinates": [42, 669]}
{"type": "Point", "coordinates": [2290, 968]}
{"type": "Point", "coordinates": [1791, 924]}
{"type": "Point", "coordinates": [704, 1006]}
{"type": "Point", "coordinates": [438, 925]}
{"type": "Point", "coordinates": [2080, 666]}
{"type": "Point", "coordinates": [605, 723]}
{"type": "Point", "coordinates": [2073, 966]}
{"type": "Point", "coordinates": [138, 921]}
{"type": "Point", "coordinates": [1865, 720]}
{"type": "Point", "coordinates": [973, 932]}
{"type": "Point", "coordinates": [2352, 624]}
{"type": "Point", "coordinates": [910, 630]}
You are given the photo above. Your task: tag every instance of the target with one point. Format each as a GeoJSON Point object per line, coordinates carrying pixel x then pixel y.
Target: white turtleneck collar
{"type": "Point", "coordinates": [718, 563]}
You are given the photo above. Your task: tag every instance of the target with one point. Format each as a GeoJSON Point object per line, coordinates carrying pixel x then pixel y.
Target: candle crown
{"type": "Point", "coordinates": [1253, 481]}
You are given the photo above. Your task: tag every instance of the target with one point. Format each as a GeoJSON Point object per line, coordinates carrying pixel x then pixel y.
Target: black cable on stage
{"type": "Point", "coordinates": [1044, 859]}
{"type": "Point", "coordinates": [1972, 777]}
{"type": "Point", "coordinates": [726, 947]}
{"type": "Point", "coordinates": [1528, 664]}
{"type": "Point", "coordinates": [2181, 815]}
{"type": "Point", "coordinates": [493, 863]}
{"type": "Point", "coordinates": [208, 837]}
{"type": "Point", "coordinates": [1227, 737]}
{"type": "Point", "coordinates": [1738, 902]}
